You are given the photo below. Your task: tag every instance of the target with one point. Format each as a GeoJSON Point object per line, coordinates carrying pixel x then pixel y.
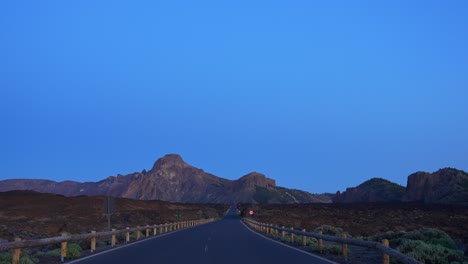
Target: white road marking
{"type": "Point", "coordinates": [302, 251]}
{"type": "Point", "coordinates": [133, 243]}
{"type": "Point", "coordinates": [206, 248]}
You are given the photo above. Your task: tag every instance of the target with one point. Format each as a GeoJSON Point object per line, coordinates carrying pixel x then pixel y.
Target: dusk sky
{"type": "Point", "coordinates": [318, 95]}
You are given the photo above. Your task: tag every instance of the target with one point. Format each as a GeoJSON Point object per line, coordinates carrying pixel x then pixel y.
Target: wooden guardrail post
{"type": "Point", "coordinates": [154, 230]}
{"type": "Point", "coordinates": [138, 233]}
{"type": "Point", "coordinates": [127, 236]}
{"type": "Point", "coordinates": [283, 233]}
{"type": "Point", "coordinates": [320, 242]}
{"type": "Point", "coordinates": [93, 242]}
{"type": "Point", "coordinates": [113, 239]}
{"type": "Point", "coordinates": [63, 251]}
{"type": "Point", "coordinates": [386, 258]}
{"type": "Point", "coordinates": [147, 230]}
{"type": "Point", "coordinates": [304, 239]}
{"type": "Point", "coordinates": [16, 253]}
{"type": "Point", "coordinates": [344, 247]}
{"type": "Point", "coordinates": [165, 228]}
{"type": "Point", "coordinates": [291, 236]}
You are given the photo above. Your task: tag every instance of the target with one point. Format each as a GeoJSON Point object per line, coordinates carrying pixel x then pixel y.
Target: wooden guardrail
{"type": "Point", "coordinates": [18, 244]}
{"type": "Point", "coordinates": [344, 241]}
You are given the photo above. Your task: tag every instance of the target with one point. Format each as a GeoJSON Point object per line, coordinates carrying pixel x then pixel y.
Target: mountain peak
{"type": "Point", "coordinates": [169, 160]}
{"type": "Point", "coordinates": [257, 179]}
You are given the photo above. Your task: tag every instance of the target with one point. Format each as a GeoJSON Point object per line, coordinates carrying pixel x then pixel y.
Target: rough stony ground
{"type": "Point", "coordinates": [366, 220]}
{"type": "Point", "coordinates": [34, 215]}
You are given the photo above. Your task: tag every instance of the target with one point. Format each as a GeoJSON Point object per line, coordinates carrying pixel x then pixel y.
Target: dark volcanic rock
{"type": "Point", "coordinates": [173, 180]}
{"type": "Point", "coordinates": [445, 186]}
{"type": "Point", "coordinates": [373, 190]}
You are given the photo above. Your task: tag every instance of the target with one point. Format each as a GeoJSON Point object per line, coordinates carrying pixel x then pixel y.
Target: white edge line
{"type": "Point", "coordinates": [288, 246]}
{"type": "Point", "coordinates": [131, 244]}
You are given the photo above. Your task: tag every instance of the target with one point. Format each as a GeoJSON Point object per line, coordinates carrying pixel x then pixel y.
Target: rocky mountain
{"type": "Point", "coordinates": [171, 179]}
{"type": "Point", "coordinates": [445, 186]}
{"type": "Point", "coordinates": [373, 190]}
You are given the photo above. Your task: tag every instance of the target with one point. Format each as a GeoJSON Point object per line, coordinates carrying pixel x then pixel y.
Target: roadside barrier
{"type": "Point", "coordinates": [19, 244]}
{"type": "Point", "coordinates": [383, 247]}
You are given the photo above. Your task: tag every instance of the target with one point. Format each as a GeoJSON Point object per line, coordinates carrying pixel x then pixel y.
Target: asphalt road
{"type": "Point", "coordinates": [227, 241]}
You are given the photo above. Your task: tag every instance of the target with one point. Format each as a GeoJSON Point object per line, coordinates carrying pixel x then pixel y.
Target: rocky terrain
{"type": "Point", "coordinates": [171, 179]}
{"type": "Point", "coordinates": [367, 220]}
{"type": "Point", "coordinates": [29, 214]}
{"type": "Point", "coordinates": [445, 186]}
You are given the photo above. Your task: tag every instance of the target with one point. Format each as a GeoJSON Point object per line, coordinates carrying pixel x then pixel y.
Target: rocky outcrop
{"type": "Point", "coordinates": [373, 190]}
{"type": "Point", "coordinates": [445, 186]}
{"type": "Point", "coordinates": [173, 180]}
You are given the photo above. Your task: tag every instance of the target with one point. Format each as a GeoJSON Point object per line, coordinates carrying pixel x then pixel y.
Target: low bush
{"type": "Point", "coordinates": [328, 249]}
{"type": "Point", "coordinates": [73, 251]}
{"type": "Point", "coordinates": [6, 258]}
{"type": "Point", "coordinates": [330, 230]}
{"type": "Point", "coordinates": [430, 253]}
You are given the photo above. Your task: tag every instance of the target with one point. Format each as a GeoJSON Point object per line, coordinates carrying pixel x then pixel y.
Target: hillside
{"type": "Point", "coordinates": [373, 190]}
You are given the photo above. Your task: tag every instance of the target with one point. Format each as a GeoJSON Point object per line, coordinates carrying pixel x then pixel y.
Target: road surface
{"type": "Point", "coordinates": [227, 241]}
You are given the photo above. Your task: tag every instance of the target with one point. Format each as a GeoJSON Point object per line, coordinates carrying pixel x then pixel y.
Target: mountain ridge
{"type": "Point", "coordinates": [444, 186]}
{"type": "Point", "coordinates": [172, 179]}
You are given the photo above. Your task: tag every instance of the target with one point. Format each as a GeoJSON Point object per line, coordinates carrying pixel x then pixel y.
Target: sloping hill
{"type": "Point", "coordinates": [373, 190]}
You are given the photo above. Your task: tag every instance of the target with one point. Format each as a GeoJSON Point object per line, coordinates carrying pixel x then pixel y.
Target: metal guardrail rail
{"type": "Point", "coordinates": [344, 241]}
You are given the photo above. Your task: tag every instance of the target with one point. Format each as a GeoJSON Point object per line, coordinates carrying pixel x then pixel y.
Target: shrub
{"type": "Point", "coordinates": [73, 251]}
{"type": "Point", "coordinates": [328, 249]}
{"type": "Point", "coordinates": [286, 239]}
{"type": "Point", "coordinates": [55, 253]}
{"type": "Point", "coordinates": [311, 241]}
{"type": "Point", "coordinates": [330, 230]}
{"type": "Point", "coordinates": [430, 253]}
{"type": "Point", "coordinates": [425, 234]}
{"type": "Point", "coordinates": [6, 258]}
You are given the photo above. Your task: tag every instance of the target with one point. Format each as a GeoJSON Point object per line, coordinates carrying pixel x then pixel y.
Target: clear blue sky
{"type": "Point", "coordinates": [319, 95]}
